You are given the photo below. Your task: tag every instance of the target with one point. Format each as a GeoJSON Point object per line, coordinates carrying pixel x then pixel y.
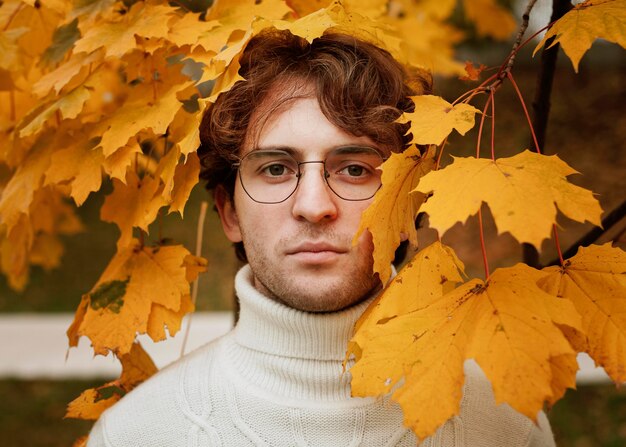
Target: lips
{"type": "Point", "coordinates": [315, 247]}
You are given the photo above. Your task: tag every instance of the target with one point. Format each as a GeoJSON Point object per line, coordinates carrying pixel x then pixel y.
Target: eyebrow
{"type": "Point", "coordinates": [343, 149]}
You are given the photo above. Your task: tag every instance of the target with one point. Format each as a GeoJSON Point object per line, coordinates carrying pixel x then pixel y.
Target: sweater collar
{"type": "Point", "coordinates": [271, 327]}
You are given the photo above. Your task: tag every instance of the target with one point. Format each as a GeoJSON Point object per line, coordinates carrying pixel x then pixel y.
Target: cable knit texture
{"type": "Point", "coordinates": [276, 380]}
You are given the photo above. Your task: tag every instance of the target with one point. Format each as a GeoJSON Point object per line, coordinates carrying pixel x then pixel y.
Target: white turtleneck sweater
{"type": "Point", "coordinates": [276, 380]}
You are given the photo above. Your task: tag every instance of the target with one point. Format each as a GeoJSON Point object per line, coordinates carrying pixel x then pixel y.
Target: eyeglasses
{"type": "Point", "coordinates": [272, 176]}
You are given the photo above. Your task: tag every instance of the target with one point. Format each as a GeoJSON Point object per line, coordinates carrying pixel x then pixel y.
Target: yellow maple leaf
{"type": "Point", "coordinates": [116, 164]}
{"type": "Point", "coordinates": [303, 8]}
{"type": "Point", "coordinates": [185, 128]}
{"type": "Point", "coordinates": [522, 191]}
{"type": "Point", "coordinates": [134, 204]}
{"type": "Point", "coordinates": [65, 72]}
{"type": "Point", "coordinates": [137, 366]}
{"type": "Point", "coordinates": [14, 253]}
{"type": "Point", "coordinates": [139, 114]}
{"type": "Point", "coordinates": [393, 211]}
{"type": "Point", "coordinates": [426, 40]}
{"type": "Point", "coordinates": [490, 18]}
{"type": "Point", "coordinates": [186, 177]}
{"type": "Point", "coordinates": [434, 118]}
{"type": "Point", "coordinates": [46, 251]}
{"type": "Point", "coordinates": [80, 165]}
{"type": "Point", "coordinates": [428, 276]}
{"type": "Point", "coordinates": [119, 305]}
{"type": "Point", "coordinates": [595, 281]}
{"type": "Point", "coordinates": [17, 195]}
{"type": "Point", "coordinates": [188, 29]}
{"type": "Point", "coordinates": [579, 28]}
{"type": "Point", "coordinates": [117, 36]}
{"type": "Point", "coordinates": [165, 170]}
{"type": "Point", "coordinates": [508, 325]}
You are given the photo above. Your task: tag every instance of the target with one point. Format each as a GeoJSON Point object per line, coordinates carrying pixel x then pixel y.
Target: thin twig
{"type": "Point", "coordinates": [521, 99]}
{"type": "Point", "coordinates": [194, 288]}
{"type": "Point", "coordinates": [558, 245]}
{"type": "Point", "coordinates": [482, 123]}
{"type": "Point", "coordinates": [493, 126]}
{"type": "Point", "coordinates": [520, 34]}
{"type": "Point", "coordinates": [541, 105]}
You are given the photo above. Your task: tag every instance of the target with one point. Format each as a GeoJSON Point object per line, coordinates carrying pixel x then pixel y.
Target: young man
{"type": "Point", "coordinates": [291, 154]}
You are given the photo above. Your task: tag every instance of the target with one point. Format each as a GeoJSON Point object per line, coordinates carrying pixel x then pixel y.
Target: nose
{"type": "Point", "coordinates": [314, 201]}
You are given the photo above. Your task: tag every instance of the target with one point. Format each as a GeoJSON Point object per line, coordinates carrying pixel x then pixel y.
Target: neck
{"type": "Point", "coordinates": [298, 354]}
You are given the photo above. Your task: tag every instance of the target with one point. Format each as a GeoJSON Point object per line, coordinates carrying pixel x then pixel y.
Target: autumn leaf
{"type": "Point", "coordinates": [434, 119]}
{"type": "Point", "coordinates": [120, 304]}
{"type": "Point", "coordinates": [473, 71]}
{"type": "Point", "coordinates": [426, 40]}
{"type": "Point", "coordinates": [134, 204]}
{"type": "Point", "coordinates": [433, 271]}
{"type": "Point", "coordinates": [65, 73]}
{"type": "Point", "coordinates": [137, 115]}
{"type": "Point", "coordinates": [18, 193]}
{"type": "Point", "coordinates": [507, 324]}
{"type": "Point", "coordinates": [393, 211]}
{"type": "Point", "coordinates": [117, 36]}
{"type": "Point", "coordinates": [594, 280]}
{"type": "Point", "coordinates": [80, 165]}
{"type": "Point", "coordinates": [185, 128]}
{"type": "Point", "coordinates": [490, 18]}
{"type": "Point", "coordinates": [185, 178]}
{"type": "Point", "coordinates": [522, 191]}
{"type": "Point", "coordinates": [579, 28]}
{"type": "Point", "coordinates": [137, 366]}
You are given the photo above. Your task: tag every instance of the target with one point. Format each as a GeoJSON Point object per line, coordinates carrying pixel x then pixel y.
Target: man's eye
{"type": "Point", "coordinates": [354, 171]}
{"type": "Point", "coordinates": [275, 170]}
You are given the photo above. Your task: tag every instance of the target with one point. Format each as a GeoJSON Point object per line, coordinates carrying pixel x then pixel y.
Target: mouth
{"type": "Point", "coordinates": [315, 252]}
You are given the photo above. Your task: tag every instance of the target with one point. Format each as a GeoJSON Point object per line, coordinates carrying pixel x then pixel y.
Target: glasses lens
{"type": "Point", "coordinates": [352, 172]}
{"type": "Point", "coordinates": [268, 176]}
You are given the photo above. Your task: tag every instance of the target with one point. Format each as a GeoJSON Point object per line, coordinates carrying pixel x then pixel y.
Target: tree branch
{"type": "Point", "coordinates": [541, 106]}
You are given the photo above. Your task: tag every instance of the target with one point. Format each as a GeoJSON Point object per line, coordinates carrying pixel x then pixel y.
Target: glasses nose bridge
{"type": "Point", "coordinates": [325, 175]}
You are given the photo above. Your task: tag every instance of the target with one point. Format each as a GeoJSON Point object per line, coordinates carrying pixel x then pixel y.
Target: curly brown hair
{"type": "Point", "coordinates": [360, 88]}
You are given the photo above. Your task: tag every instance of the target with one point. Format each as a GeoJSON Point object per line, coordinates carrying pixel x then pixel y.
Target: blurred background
{"type": "Point", "coordinates": [587, 129]}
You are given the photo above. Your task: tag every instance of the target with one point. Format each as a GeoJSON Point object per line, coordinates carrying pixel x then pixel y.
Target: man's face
{"type": "Point", "coordinates": [300, 250]}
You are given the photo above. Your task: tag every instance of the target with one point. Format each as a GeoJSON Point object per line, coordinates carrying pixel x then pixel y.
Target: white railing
{"type": "Point", "coordinates": [35, 346]}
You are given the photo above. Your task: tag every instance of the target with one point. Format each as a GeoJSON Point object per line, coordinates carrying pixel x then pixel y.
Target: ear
{"type": "Point", "coordinates": [228, 216]}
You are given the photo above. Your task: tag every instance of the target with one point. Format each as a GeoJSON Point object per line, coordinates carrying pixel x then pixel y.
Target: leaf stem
{"type": "Point", "coordinates": [556, 241]}
{"type": "Point", "coordinates": [521, 99]}
{"type": "Point", "coordinates": [194, 288]}
{"type": "Point", "coordinates": [482, 243]}
{"type": "Point", "coordinates": [493, 126]}
{"type": "Point", "coordinates": [442, 145]}
{"type": "Point", "coordinates": [482, 123]}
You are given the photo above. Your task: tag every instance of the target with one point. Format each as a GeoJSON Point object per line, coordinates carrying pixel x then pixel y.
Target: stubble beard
{"type": "Point", "coordinates": [323, 293]}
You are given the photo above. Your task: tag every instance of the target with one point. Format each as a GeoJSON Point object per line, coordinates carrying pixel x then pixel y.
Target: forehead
{"type": "Point", "coordinates": [299, 124]}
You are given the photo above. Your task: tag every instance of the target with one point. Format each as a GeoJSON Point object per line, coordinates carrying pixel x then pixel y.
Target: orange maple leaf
{"type": "Point", "coordinates": [508, 325]}
{"type": "Point", "coordinates": [595, 281]}
{"type": "Point", "coordinates": [137, 366]}
{"type": "Point", "coordinates": [121, 303]}
{"type": "Point", "coordinates": [528, 184]}
{"type": "Point", "coordinates": [393, 211]}
{"type": "Point", "coordinates": [134, 204]}
{"type": "Point", "coordinates": [434, 119]}
{"type": "Point", "coordinates": [473, 71]}
{"type": "Point", "coordinates": [579, 28]}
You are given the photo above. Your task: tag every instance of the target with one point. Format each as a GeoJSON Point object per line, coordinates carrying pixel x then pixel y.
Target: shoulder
{"type": "Point", "coordinates": [160, 408]}
{"type": "Point", "coordinates": [485, 423]}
